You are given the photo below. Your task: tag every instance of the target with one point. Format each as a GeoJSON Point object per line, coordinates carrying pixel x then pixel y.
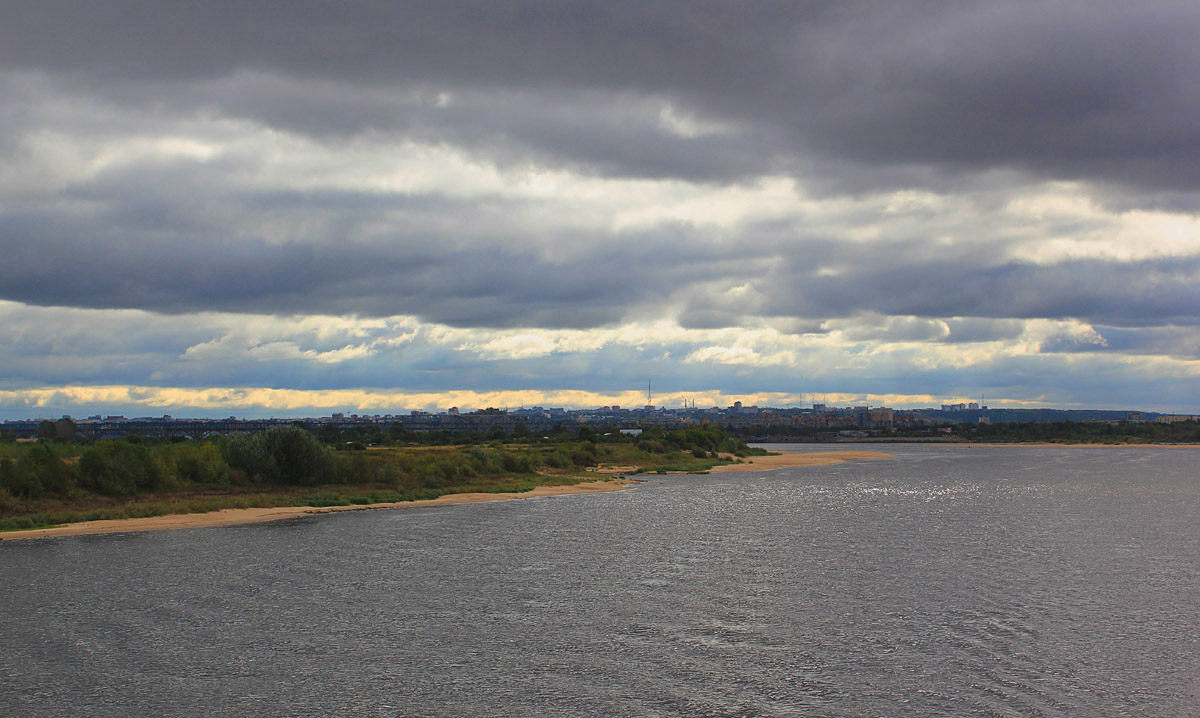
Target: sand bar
{"type": "Point", "coordinates": [230, 517]}
{"type": "Point", "coordinates": [795, 458]}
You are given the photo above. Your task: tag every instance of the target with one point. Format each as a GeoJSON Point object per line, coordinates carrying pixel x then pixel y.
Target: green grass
{"type": "Point", "coordinates": [317, 497]}
{"type": "Point", "coordinates": [204, 476]}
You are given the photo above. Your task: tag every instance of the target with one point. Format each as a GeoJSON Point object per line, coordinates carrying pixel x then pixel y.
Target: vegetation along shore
{"type": "Point", "coordinates": [289, 471]}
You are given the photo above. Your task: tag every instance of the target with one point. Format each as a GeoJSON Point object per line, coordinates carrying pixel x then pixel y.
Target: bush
{"type": "Point", "coordinates": [557, 459]}
{"type": "Point", "coordinates": [520, 463]}
{"type": "Point", "coordinates": [200, 464]}
{"type": "Point", "coordinates": [8, 503]}
{"type": "Point", "coordinates": [280, 455]}
{"type": "Point", "coordinates": [18, 480]}
{"type": "Point", "coordinates": [119, 468]}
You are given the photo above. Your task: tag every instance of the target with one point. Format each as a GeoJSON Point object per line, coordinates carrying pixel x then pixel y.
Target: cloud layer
{"type": "Point", "coordinates": [922, 200]}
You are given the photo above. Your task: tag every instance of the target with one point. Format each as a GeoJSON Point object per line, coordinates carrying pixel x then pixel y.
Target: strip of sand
{"type": "Point", "coordinates": [229, 517]}
{"type": "Point", "coordinates": [794, 458]}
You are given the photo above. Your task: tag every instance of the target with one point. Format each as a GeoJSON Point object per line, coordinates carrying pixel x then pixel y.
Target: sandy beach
{"type": "Point", "coordinates": [229, 517]}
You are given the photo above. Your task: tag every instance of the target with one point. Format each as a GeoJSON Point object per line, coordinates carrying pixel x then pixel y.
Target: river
{"type": "Point", "coordinates": [947, 581]}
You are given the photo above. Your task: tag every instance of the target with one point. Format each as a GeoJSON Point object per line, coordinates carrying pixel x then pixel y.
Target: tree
{"type": "Point", "coordinates": [119, 468]}
{"type": "Point", "coordinates": [281, 454]}
{"type": "Point", "coordinates": [298, 454]}
{"type": "Point", "coordinates": [64, 429]}
{"type": "Point", "coordinates": [329, 434]}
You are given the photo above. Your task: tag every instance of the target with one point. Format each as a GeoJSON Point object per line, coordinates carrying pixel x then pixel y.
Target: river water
{"type": "Point", "coordinates": [1010, 581]}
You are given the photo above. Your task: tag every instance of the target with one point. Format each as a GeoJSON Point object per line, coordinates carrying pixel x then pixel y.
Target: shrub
{"type": "Point", "coordinates": [281, 454]}
{"type": "Point", "coordinates": [119, 468]}
{"type": "Point", "coordinates": [18, 480]}
{"type": "Point", "coordinates": [520, 463]}
{"type": "Point", "coordinates": [200, 464]}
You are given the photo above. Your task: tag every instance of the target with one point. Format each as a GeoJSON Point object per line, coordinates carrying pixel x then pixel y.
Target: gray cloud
{"type": "Point", "coordinates": [1063, 89]}
{"type": "Point", "coordinates": [1119, 293]}
{"type": "Point", "coordinates": [126, 242]}
{"type": "Point", "coordinates": [152, 258]}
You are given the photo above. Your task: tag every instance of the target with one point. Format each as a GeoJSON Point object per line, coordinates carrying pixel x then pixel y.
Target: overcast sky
{"type": "Point", "coordinates": [216, 208]}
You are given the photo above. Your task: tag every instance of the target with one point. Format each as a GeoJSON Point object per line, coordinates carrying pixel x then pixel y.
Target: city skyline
{"type": "Point", "coordinates": [224, 208]}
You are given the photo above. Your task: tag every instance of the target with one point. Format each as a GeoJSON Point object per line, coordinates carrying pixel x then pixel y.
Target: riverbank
{"type": "Point", "coordinates": [231, 517]}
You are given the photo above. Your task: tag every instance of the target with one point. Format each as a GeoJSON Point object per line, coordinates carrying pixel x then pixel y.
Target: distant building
{"type": "Point", "coordinates": [880, 418]}
{"type": "Point", "coordinates": [1173, 418]}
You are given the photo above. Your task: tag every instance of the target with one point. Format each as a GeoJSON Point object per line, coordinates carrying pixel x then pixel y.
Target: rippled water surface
{"type": "Point", "coordinates": [948, 581]}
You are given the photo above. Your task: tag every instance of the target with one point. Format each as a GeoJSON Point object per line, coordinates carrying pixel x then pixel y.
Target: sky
{"type": "Point", "coordinates": [287, 209]}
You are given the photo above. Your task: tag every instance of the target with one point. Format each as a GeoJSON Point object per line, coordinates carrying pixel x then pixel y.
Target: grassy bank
{"type": "Point", "coordinates": [53, 483]}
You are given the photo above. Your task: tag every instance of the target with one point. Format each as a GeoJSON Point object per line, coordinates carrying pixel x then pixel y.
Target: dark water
{"type": "Point", "coordinates": [945, 582]}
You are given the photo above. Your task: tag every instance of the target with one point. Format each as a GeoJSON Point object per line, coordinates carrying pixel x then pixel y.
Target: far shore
{"type": "Point", "coordinates": [230, 517]}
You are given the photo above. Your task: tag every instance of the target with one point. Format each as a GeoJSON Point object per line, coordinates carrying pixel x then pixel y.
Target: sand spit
{"type": "Point", "coordinates": [230, 517]}
{"type": "Point", "coordinates": [792, 458]}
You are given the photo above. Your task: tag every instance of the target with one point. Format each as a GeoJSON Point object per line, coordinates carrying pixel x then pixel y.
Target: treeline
{"type": "Point", "coordinates": [1185, 432]}
{"type": "Point", "coordinates": [339, 467]}
{"type": "Point", "coordinates": [280, 456]}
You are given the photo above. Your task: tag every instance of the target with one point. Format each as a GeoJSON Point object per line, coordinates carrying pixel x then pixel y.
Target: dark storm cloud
{"type": "Point", "coordinates": [1063, 89]}
{"type": "Point", "coordinates": [124, 261]}
{"type": "Point", "coordinates": [170, 256]}
{"type": "Point", "coordinates": [1182, 342]}
{"type": "Point", "coordinates": [1134, 293]}
{"type": "Point", "coordinates": [871, 95]}
{"type": "Point", "coordinates": [977, 285]}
